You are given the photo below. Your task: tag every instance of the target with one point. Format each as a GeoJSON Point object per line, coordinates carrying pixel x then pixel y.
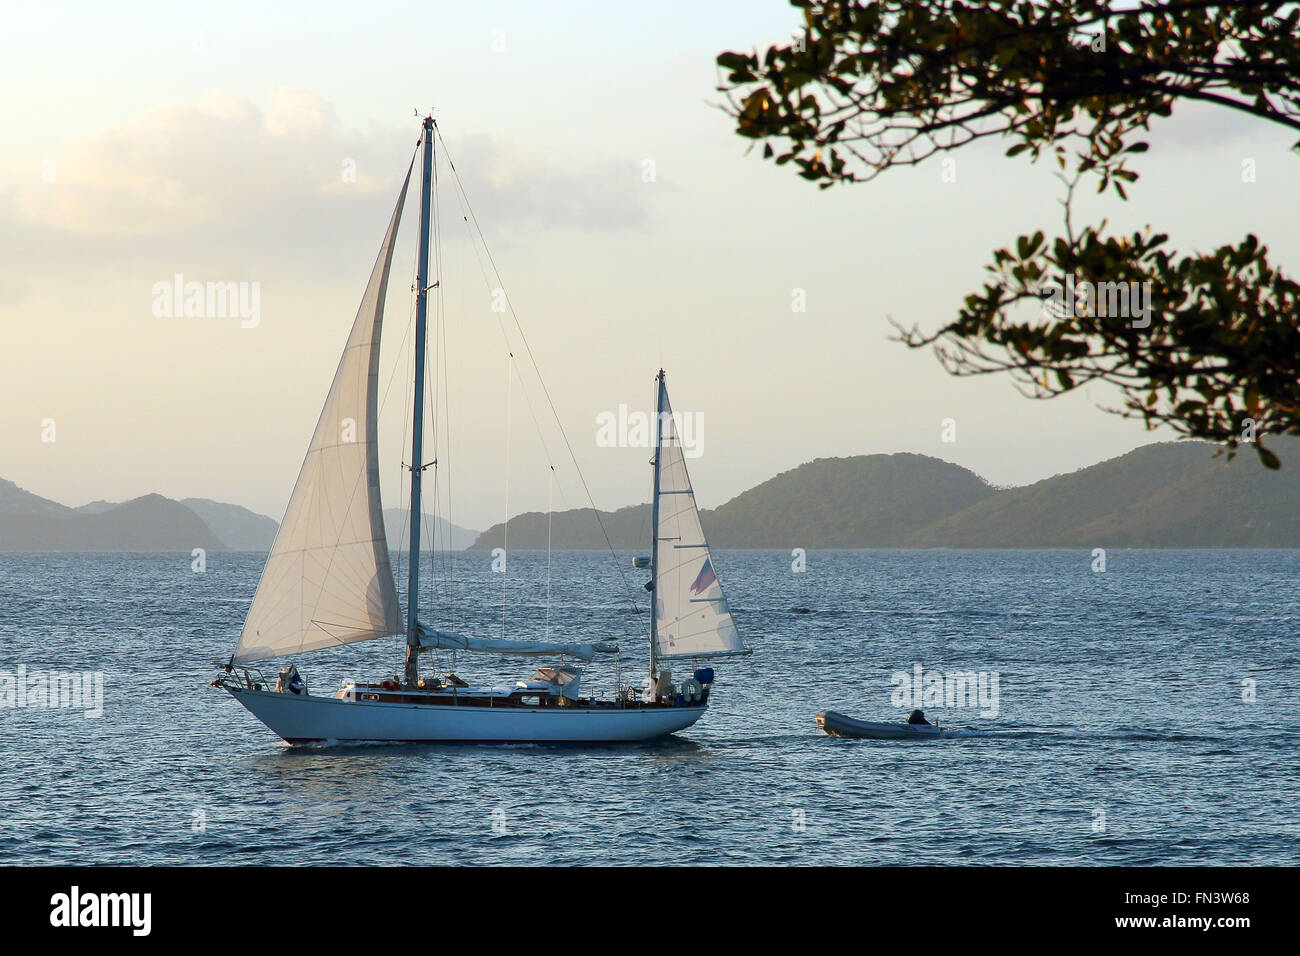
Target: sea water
{"type": "Point", "coordinates": [1146, 713]}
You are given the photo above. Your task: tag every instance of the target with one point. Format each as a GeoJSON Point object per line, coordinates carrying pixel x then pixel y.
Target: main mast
{"type": "Point", "coordinates": [412, 674]}
{"type": "Point", "coordinates": [654, 525]}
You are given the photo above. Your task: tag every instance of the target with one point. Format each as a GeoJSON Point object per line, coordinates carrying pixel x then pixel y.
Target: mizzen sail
{"type": "Point", "coordinates": [691, 614]}
{"type": "Point", "coordinates": [328, 579]}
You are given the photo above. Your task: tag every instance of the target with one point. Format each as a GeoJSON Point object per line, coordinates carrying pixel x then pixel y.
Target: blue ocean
{"type": "Point", "coordinates": [1144, 714]}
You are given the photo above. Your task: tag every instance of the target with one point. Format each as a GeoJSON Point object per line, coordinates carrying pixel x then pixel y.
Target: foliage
{"type": "Point", "coordinates": [868, 86]}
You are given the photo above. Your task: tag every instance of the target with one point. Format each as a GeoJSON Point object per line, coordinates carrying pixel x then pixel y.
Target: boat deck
{"type": "Point", "coordinates": [530, 698]}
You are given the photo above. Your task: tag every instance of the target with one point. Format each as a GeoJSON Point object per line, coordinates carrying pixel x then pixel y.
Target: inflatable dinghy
{"type": "Point", "coordinates": [838, 725]}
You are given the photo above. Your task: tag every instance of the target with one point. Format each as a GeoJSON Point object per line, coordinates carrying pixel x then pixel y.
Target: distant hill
{"type": "Point", "coordinates": [151, 523]}
{"type": "Point", "coordinates": [871, 501]}
{"type": "Point", "coordinates": [29, 522]}
{"type": "Point", "coordinates": [628, 530]}
{"type": "Point", "coordinates": [239, 528]}
{"type": "Point", "coordinates": [447, 536]}
{"type": "Point", "coordinates": [1169, 495]}
{"type": "Point", "coordinates": [17, 501]}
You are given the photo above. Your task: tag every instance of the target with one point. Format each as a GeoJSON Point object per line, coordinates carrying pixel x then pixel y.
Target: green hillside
{"type": "Point", "coordinates": [1170, 495]}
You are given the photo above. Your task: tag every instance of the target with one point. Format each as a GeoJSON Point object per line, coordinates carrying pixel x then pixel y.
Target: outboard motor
{"type": "Point", "coordinates": [290, 682]}
{"type": "Point", "coordinates": [705, 676]}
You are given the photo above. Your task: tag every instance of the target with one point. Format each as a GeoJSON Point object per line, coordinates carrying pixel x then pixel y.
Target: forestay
{"type": "Point", "coordinates": [691, 614]}
{"type": "Point", "coordinates": [328, 580]}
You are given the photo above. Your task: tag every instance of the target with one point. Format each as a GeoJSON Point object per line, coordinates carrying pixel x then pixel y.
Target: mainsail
{"type": "Point", "coordinates": [328, 580]}
{"type": "Point", "coordinates": [691, 614]}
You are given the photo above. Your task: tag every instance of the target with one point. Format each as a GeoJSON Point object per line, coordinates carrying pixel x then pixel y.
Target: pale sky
{"type": "Point", "coordinates": [208, 140]}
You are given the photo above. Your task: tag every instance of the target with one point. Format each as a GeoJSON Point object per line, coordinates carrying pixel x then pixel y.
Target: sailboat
{"type": "Point", "coordinates": [328, 581]}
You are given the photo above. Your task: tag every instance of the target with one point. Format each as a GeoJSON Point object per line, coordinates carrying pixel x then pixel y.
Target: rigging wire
{"type": "Point", "coordinates": [438, 319]}
{"type": "Point", "coordinates": [505, 534]}
{"type": "Point", "coordinates": [528, 402]}
{"type": "Point", "coordinates": [550, 483]}
{"type": "Point", "coordinates": [430, 409]}
{"type": "Point", "coordinates": [445, 404]}
{"type": "Point", "coordinates": [630, 593]}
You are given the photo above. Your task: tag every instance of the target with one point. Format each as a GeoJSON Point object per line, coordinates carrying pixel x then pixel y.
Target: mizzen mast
{"type": "Point", "coordinates": [654, 525]}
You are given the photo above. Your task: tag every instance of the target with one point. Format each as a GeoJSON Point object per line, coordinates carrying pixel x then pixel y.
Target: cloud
{"type": "Point", "coordinates": [512, 189]}
{"type": "Point", "coordinates": [1196, 125]}
{"type": "Point", "coordinates": [224, 169]}
{"type": "Point", "coordinates": [217, 164]}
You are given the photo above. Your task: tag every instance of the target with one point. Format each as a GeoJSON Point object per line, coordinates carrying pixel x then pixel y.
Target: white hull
{"type": "Point", "coordinates": [305, 719]}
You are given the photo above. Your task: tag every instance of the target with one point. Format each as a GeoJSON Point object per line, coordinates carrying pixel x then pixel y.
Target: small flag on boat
{"type": "Point", "coordinates": [705, 579]}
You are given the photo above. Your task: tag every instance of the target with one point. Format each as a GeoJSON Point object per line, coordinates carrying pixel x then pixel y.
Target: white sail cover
{"type": "Point", "coordinates": [691, 614]}
{"type": "Point", "coordinates": [430, 638]}
{"type": "Point", "coordinates": [328, 580]}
